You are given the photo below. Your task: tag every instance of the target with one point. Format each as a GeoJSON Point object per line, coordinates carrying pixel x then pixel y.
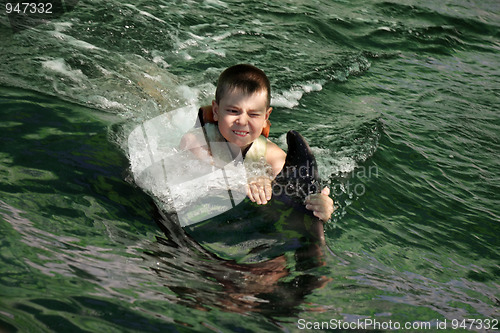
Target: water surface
{"type": "Point", "coordinates": [397, 99]}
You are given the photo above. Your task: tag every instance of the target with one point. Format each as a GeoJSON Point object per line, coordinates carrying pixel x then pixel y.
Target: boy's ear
{"type": "Point", "coordinates": [268, 112]}
{"type": "Point", "coordinates": [215, 110]}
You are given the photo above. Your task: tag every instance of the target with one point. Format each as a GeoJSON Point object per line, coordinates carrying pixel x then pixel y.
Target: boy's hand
{"type": "Point", "coordinates": [321, 204]}
{"type": "Point", "coordinates": [260, 190]}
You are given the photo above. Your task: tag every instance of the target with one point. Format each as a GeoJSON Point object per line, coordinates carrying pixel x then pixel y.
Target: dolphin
{"type": "Point", "coordinates": [248, 250]}
{"type": "Point", "coordinates": [250, 233]}
{"type": "Point", "coordinates": [298, 179]}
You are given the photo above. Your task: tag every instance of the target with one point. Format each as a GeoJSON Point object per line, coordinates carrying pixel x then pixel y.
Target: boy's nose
{"type": "Point", "coordinates": [242, 119]}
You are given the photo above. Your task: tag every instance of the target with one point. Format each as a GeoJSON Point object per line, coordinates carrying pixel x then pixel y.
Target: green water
{"type": "Point", "coordinates": [398, 100]}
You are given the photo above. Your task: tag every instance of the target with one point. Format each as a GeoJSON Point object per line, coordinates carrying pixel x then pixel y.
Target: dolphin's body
{"type": "Point", "coordinates": [298, 179]}
{"type": "Point", "coordinates": [253, 257]}
{"type": "Point", "coordinates": [253, 233]}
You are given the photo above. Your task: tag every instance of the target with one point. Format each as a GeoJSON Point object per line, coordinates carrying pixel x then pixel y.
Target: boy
{"type": "Point", "coordinates": [241, 109]}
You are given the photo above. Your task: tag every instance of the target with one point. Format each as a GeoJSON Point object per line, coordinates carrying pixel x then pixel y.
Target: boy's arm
{"type": "Point", "coordinates": [275, 157]}
{"type": "Point", "coordinates": [260, 190]}
{"type": "Point", "coordinates": [195, 143]}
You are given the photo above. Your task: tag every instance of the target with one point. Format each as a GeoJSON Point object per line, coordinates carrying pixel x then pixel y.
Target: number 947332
{"type": "Point", "coordinates": [28, 8]}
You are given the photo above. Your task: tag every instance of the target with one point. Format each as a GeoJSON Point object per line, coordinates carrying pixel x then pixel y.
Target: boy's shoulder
{"type": "Point", "coordinates": [275, 156]}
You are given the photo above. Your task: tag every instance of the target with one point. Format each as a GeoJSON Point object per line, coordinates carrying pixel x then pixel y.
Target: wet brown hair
{"type": "Point", "coordinates": [246, 78]}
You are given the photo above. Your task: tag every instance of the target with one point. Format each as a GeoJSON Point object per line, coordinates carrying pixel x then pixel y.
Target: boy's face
{"type": "Point", "coordinates": [241, 116]}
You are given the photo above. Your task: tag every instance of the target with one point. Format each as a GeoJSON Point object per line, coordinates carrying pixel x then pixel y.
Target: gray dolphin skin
{"type": "Point", "coordinates": [255, 233]}
{"type": "Point", "coordinates": [298, 179]}
{"type": "Point", "coordinates": [299, 176]}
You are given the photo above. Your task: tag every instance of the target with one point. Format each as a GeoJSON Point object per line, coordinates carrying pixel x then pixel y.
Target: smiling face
{"type": "Point", "coordinates": [241, 117]}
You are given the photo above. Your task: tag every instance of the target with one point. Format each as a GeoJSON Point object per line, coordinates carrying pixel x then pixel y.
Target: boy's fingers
{"type": "Point", "coordinates": [322, 216]}
{"type": "Point", "coordinates": [249, 193]}
{"type": "Point", "coordinates": [325, 191]}
{"type": "Point", "coordinates": [265, 190]}
{"type": "Point", "coordinates": [262, 196]}
{"type": "Point", "coordinates": [257, 194]}
{"type": "Point", "coordinates": [268, 190]}
{"type": "Point", "coordinates": [318, 198]}
{"type": "Point", "coordinates": [313, 198]}
{"type": "Point", "coordinates": [321, 205]}
{"type": "Point", "coordinates": [260, 190]}
{"type": "Point", "coordinates": [314, 207]}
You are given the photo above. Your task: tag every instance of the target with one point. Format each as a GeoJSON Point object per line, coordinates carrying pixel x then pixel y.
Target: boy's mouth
{"type": "Point", "coordinates": [240, 133]}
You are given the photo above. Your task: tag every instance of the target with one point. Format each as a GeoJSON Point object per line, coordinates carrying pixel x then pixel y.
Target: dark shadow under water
{"type": "Point", "coordinates": [274, 287]}
{"type": "Point", "coordinates": [260, 258]}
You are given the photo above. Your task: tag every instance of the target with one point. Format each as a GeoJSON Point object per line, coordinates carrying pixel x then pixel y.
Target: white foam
{"type": "Point", "coordinates": [105, 103]}
{"type": "Point", "coordinates": [331, 164]}
{"type": "Point", "coordinates": [186, 56]}
{"type": "Point", "coordinates": [290, 98]}
{"type": "Point", "coordinates": [223, 36]}
{"type": "Point", "coordinates": [385, 29]}
{"type": "Point", "coordinates": [83, 45]}
{"type": "Point", "coordinates": [156, 78]}
{"type": "Point", "coordinates": [217, 52]}
{"type": "Point", "coordinates": [195, 36]}
{"type": "Point", "coordinates": [177, 178]}
{"type": "Point", "coordinates": [189, 94]}
{"type": "Point", "coordinates": [145, 13]}
{"type": "Point", "coordinates": [159, 61]}
{"type": "Point", "coordinates": [73, 41]}
{"type": "Point", "coordinates": [215, 3]}
{"type": "Point", "coordinates": [281, 141]}
{"type": "Point", "coordinates": [312, 86]}
{"type": "Point", "coordinates": [59, 65]}
{"type": "Point", "coordinates": [62, 26]}
{"type": "Point", "coordinates": [58, 35]}
{"type": "Point", "coordinates": [187, 43]}
{"type": "Point", "coordinates": [157, 138]}
{"type": "Point", "coordinates": [344, 165]}
{"type": "Point", "coordinates": [287, 99]}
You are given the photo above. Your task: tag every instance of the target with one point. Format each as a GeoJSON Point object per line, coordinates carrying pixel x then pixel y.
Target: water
{"type": "Point", "coordinates": [397, 99]}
